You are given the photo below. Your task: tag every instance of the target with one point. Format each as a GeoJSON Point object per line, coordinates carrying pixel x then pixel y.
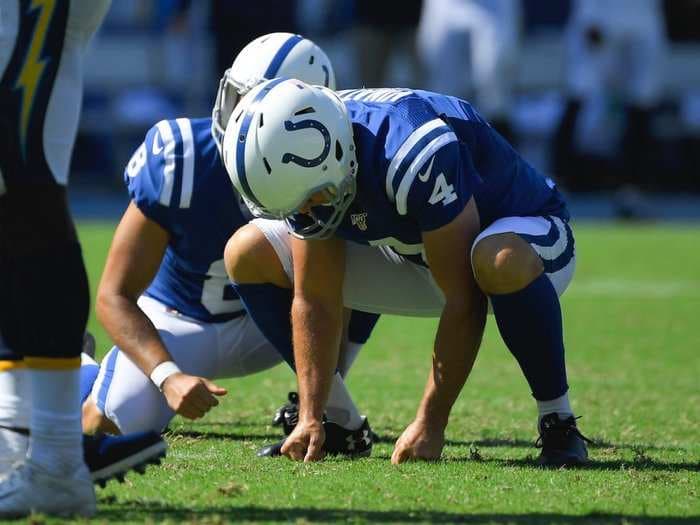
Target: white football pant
{"type": "Point", "coordinates": [234, 348]}
{"type": "Point", "coordinates": [378, 280]}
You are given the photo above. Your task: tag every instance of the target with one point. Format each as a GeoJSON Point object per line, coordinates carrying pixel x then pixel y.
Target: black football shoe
{"type": "Point", "coordinates": [561, 442]}
{"type": "Point", "coordinates": [287, 415]}
{"type": "Point", "coordinates": [353, 443]}
{"type": "Point", "coordinates": [339, 441]}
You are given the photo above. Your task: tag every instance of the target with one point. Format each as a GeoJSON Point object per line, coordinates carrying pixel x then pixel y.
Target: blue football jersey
{"type": "Point", "coordinates": [421, 157]}
{"type": "Point", "coordinates": [176, 178]}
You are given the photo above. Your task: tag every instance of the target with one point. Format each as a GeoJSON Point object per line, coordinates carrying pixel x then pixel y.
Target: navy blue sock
{"type": "Point", "coordinates": [8, 355]}
{"type": "Point", "coordinates": [531, 326]}
{"type": "Point", "coordinates": [270, 307]}
{"type": "Point", "coordinates": [361, 326]}
{"type": "Point", "coordinates": [88, 375]}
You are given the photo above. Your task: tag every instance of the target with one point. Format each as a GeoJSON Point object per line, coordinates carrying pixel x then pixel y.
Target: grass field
{"type": "Point", "coordinates": [633, 346]}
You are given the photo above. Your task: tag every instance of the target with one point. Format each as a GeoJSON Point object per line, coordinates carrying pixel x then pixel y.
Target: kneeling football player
{"type": "Point", "coordinates": [165, 298]}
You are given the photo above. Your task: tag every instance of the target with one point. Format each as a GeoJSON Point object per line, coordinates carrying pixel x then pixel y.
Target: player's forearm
{"type": "Point", "coordinates": [316, 336]}
{"type": "Point", "coordinates": [456, 346]}
{"type": "Point", "coordinates": [132, 331]}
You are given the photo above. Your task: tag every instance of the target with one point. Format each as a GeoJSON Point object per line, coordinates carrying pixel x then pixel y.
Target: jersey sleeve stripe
{"type": "Point", "coordinates": [405, 149]}
{"type": "Point", "coordinates": [188, 161]}
{"type": "Point", "coordinates": [420, 160]}
{"type": "Point", "coordinates": [168, 141]}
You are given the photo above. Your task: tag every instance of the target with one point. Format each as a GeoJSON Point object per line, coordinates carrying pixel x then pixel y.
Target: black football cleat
{"type": "Point", "coordinates": [339, 441]}
{"type": "Point", "coordinates": [561, 442]}
{"type": "Point", "coordinates": [287, 415]}
{"type": "Point", "coordinates": [353, 443]}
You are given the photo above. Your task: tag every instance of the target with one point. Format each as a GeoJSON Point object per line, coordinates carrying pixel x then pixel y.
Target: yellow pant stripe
{"type": "Point", "coordinates": [12, 365]}
{"type": "Point", "coordinates": [52, 363]}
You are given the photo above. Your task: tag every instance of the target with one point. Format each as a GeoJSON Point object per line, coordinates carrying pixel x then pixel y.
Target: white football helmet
{"type": "Point", "coordinates": [286, 141]}
{"type": "Point", "coordinates": [267, 57]}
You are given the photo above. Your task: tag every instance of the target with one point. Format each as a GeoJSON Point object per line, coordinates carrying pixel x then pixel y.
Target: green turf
{"type": "Point", "coordinates": [633, 350]}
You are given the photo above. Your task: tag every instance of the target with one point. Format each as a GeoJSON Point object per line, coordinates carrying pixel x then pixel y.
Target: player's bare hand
{"type": "Point", "coordinates": [191, 396]}
{"type": "Point", "coordinates": [419, 442]}
{"type": "Point", "coordinates": [305, 443]}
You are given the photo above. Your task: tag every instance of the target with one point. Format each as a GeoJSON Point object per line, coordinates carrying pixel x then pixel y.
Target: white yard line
{"type": "Point", "coordinates": [662, 288]}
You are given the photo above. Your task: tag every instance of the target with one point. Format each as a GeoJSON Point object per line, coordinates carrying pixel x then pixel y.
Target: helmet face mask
{"type": "Point", "coordinates": [227, 97]}
{"type": "Point", "coordinates": [312, 225]}
{"type": "Point", "coordinates": [281, 150]}
{"type": "Point", "coordinates": [266, 57]}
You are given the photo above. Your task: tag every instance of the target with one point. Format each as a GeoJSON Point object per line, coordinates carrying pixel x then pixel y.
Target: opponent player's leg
{"type": "Point", "coordinates": [522, 265]}
{"type": "Point", "coordinates": [258, 260]}
{"type": "Point", "coordinates": [44, 308]}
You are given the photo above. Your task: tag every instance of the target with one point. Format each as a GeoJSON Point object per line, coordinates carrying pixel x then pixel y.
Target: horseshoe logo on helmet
{"type": "Point", "coordinates": [302, 161]}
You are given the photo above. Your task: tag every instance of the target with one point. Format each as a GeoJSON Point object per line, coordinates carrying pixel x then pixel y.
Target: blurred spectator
{"type": "Point", "coordinates": [383, 29]}
{"type": "Point", "coordinates": [469, 48]}
{"type": "Point", "coordinates": [545, 17]}
{"type": "Point", "coordinates": [237, 22]}
{"type": "Point", "coordinates": [615, 78]}
{"type": "Point", "coordinates": [683, 18]}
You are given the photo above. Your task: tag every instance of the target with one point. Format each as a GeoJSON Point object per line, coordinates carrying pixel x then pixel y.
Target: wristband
{"type": "Point", "coordinates": [162, 372]}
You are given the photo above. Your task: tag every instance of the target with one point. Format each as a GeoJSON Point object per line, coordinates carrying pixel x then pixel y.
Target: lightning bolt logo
{"type": "Point", "coordinates": [33, 68]}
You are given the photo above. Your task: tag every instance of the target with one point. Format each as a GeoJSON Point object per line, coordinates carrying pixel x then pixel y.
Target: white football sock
{"type": "Point", "coordinates": [15, 409]}
{"type": "Point", "coordinates": [347, 357]}
{"type": "Point", "coordinates": [340, 408]}
{"type": "Point", "coordinates": [15, 398]}
{"type": "Point", "coordinates": [559, 405]}
{"type": "Point", "coordinates": [55, 442]}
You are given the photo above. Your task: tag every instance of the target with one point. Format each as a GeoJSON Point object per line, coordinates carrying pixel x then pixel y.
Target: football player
{"type": "Point", "coordinates": [43, 311]}
{"type": "Point", "coordinates": [165, 298]}
{"type": "Point", "coordinates": [406, 202]}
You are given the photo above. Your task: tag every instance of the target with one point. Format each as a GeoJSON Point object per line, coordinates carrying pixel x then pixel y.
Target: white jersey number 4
{"type": "Point", "coordinates": [442, 192]}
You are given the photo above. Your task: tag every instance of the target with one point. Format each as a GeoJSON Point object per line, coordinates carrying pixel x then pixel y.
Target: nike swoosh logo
{"type": "Point", "coordinates": [426, 174]}
{"type": "Point", "coordinates": [157, 148]}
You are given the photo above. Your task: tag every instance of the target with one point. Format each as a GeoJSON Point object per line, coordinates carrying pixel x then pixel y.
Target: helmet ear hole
{"type": "Point", "coordinates": [305, 111]}
{"type": "Point", "coordinates": [338, 151]}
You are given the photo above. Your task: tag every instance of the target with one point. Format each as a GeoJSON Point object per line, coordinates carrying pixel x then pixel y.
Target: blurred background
{"type": "Point", "coordinates": [602, 95]}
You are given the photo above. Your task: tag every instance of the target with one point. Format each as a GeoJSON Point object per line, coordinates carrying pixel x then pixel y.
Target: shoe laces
{"type": "Point", "coordinates": [558, 430]}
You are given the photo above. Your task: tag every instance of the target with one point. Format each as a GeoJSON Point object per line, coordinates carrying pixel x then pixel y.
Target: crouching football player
{"type": "Point", "coordinates": [460, 219]}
